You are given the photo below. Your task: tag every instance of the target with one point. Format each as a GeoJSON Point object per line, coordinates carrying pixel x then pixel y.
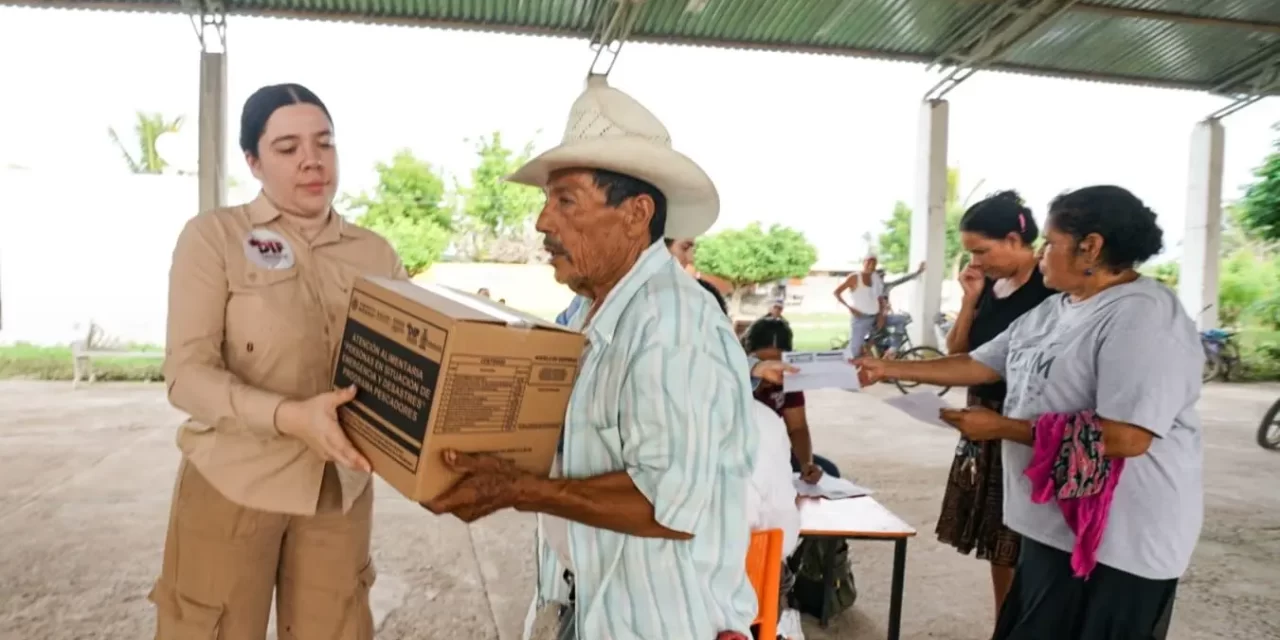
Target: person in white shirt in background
{"type": "Point", "coordinates": [771, 504]}
{"type": "Point", "coordinates": [865, 288]}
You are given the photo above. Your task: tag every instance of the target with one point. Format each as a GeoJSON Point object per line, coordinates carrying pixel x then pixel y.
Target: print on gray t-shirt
{"type": "Point", "coordinates": [1131, 353]}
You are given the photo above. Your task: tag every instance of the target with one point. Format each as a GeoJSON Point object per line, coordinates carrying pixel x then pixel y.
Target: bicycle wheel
{"type": "Point", "coordinates": [1213, 365]}
{"type": "Point", "coordinates": [1230, 357]}
{"type": "Point", "coordinates": [1269, 429]}
{"type": "Point", "coordinates": [918, 353]}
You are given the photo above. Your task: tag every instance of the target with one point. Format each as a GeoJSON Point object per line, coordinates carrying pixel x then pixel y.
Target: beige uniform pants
{"type": "Point", "coordinates": [222, 562]}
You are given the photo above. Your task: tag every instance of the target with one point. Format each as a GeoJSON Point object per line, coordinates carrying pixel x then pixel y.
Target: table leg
{"type": "Point", "coordinates": [829, 577]}
{"type": "Point", "coordinates": [895, 590]}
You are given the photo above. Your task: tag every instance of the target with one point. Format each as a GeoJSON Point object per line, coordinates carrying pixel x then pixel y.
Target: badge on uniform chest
{"type": "Point", "coordinates": [268, 249]}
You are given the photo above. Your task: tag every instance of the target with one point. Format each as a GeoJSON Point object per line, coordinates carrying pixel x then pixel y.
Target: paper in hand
{"type": "Point", "coordinates": [819, 370]}
{"type": "Point", "coordinates": [921, 405]}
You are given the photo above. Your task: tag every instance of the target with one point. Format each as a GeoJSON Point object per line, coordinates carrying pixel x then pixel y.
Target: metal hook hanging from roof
{"type": "Point", "coordinates": [206, 16]}
{"type": "Point", "coordinates": [614, 23]}
{"type": "Point", "coordinates": [988, 36]}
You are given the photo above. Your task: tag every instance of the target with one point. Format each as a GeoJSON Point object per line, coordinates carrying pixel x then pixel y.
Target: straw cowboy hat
{"type": "Point", "coordinates": [609, 130]}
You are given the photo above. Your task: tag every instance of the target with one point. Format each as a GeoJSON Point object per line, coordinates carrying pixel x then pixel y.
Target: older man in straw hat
{"type": "Point", "coordinates": [643, 528]}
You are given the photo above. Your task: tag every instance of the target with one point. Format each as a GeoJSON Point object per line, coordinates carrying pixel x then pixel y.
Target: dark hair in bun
{"type": "Point", "coordinates": [1128, 228]}
{"type": "Point", "coordinates": [999, 215]}
{"type": "Point", "coordinates": [264, 102]}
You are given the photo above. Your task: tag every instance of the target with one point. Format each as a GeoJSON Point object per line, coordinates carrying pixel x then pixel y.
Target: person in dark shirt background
{"type": "Point", "coordinates": [1001, 283]}
{"type": "Point", "coordinates": [767, 339]}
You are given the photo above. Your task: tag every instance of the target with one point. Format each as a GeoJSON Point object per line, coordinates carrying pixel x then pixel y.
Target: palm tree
{"type": "Point", "coordinates": [148, 128]}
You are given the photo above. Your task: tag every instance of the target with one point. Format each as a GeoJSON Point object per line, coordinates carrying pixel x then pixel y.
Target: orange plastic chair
{"type": "Point", "coordinates": [764, 569]}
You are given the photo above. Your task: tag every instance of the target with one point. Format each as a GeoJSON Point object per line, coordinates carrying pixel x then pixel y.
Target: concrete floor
{"type": "Point", "coordinates": [85, 479]}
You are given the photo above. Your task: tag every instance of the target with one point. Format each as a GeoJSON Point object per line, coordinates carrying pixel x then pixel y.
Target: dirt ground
{"type": "Point", "coordinates": [85, 478]}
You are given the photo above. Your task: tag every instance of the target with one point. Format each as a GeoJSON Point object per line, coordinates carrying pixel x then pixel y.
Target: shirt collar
{"type": "Point", "coordinates": [262, 211]}
{"type": "Point", "coordinates": [605, 322]}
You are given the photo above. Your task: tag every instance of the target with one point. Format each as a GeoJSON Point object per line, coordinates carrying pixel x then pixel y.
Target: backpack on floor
{"type": "Point", "coordinates": [808, 562]}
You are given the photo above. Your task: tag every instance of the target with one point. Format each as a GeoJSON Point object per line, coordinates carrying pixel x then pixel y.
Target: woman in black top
{"type": "Point", "coordinates": [1001, 283]}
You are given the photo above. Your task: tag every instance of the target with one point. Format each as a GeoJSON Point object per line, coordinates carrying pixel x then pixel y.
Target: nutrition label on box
{"type": "Point", "coordinates": [482, 394]}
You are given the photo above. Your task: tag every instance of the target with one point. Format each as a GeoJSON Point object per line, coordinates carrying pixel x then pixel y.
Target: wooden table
{"type": "Point", "coordinates": [860, 519]}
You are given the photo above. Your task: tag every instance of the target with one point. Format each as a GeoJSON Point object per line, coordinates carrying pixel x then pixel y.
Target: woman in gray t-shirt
{"type": "Point", "coordinates": [1119, 344]}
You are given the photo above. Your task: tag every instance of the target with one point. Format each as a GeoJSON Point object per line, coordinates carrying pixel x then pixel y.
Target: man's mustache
{"type": "Point", "coordinates": [553, 247]}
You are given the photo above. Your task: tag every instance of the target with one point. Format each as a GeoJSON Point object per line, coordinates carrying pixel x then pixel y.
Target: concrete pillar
{"type": "Point", "coordinates": [929, 220]}
{"type": "Point", "coordinates": [1202, 242]}
{"type": "Point", "coordinates": [213, 127]}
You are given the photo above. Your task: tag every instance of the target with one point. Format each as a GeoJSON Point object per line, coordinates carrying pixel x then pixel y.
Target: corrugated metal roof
{"type": "Point", "coordinates": [1253, 10]}
{"type": "Point", "coordinates": [1192, 44]}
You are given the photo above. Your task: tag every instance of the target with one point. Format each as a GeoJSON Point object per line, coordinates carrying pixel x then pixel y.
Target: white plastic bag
{"type": "Point", "coordinates": [789, 625]}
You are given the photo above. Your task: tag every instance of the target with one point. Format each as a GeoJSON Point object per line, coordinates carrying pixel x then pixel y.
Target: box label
{"type": "Point", "coordinates": [396, 389]}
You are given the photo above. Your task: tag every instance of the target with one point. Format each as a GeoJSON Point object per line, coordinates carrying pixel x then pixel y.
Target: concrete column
{"type": "Point", "coordinates": [1202, 242]}
{"type": "Point", "coordinates": [929, 220]}
{"type": "Point", "coordinates": [213, 127]}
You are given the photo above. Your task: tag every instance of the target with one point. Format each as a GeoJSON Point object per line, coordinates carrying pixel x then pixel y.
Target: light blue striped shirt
{"type": "Point", "coordinates": [663, 394]}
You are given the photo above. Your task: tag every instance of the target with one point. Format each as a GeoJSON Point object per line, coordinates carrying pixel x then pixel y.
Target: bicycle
{"type": "Point", "coordinates": [893, 342]}
{"type": "Point", "coordinates": [1269, 429]}
{"type": "Point", "coordinates": [1221, 355]}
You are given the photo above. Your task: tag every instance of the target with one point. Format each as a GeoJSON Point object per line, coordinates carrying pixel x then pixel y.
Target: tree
{"type": "Point", "coordinates": [148, 127]}
{"type": "Point", "coordinates": [1260, 213]}
{"type": "Point", "coordinates": [754, 255]}
{"type": "Point", "coordinates": [895, 242]}
{"type": "Point", "coordinates": [407, 208]}
{"type": "Point", "coordinates": [496, 221]}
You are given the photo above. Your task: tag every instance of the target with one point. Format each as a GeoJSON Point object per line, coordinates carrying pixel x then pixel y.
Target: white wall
{"type": "Point", "coordinates": [76, 246]}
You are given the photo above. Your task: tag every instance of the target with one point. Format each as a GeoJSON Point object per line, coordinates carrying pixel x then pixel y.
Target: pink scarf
{"type": "Point", "coordinates": [1068, 463]}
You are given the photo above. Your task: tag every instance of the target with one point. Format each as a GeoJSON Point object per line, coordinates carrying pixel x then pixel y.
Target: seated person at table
{"type": "Point", "coordinates": [771, 502]}
{"type": "Point", "coordinates": [767, 339]}
{"type": "Point", "coordinates": [771, 499]}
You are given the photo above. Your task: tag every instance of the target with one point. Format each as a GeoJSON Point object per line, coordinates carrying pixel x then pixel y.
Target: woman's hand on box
{"type": "Point", "coordinates": [315, 422]}
{"type": "Point", "coordinates": [488, 484]}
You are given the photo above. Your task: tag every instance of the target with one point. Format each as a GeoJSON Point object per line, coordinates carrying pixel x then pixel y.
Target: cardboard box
{"type": "Point", "coordinates": [439, 369]}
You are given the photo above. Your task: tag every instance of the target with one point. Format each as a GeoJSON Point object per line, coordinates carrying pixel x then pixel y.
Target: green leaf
{"type": "Point", "coordinates": [753, 255]}
{"type": "Point", "coordinates": [1260, 210]}
{"type": "Point", "coordinates": [495, 212]}
{"type": "Point", "coordinates": [407, 208]}
{"type": "Point", "coordinates": [895, 242]}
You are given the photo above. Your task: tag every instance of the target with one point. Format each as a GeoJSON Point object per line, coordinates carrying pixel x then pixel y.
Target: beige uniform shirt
{"type": "Point", "coordinates": [255, 317]}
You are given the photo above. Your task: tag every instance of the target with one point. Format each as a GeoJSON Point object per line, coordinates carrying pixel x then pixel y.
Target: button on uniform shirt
{"type": "Point", "coordinates": [256, 313]}
{"type": "Point", "coordinates": [663, 395]}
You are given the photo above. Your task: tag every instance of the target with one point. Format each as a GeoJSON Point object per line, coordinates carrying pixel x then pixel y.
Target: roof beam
{"type": "Point", "coordinates": [1249, 82]}
{"type": "Point", "coordinates": [990, 36]}
{"type": "Point", "coordinates": [1177, 16]}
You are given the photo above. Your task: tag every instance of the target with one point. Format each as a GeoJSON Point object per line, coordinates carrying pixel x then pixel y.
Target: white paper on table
{"type": "Point", "coordinates": [921, 405]}
{"type": "Point", "coordinates": [819, 370]}
{"type": "Point", "coordinates": [829, 487]}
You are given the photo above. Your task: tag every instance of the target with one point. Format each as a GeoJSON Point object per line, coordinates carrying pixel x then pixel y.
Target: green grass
{"type": "Point", "coordinates": [812, 333]}
{"type": "Point", "coordinates": [29, 362]}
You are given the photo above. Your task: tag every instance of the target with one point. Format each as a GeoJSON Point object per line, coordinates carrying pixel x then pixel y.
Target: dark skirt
{"type": "Point", "coordinates": [972, 517]}
{"type": "Point", "coordinates": [1047, 601]}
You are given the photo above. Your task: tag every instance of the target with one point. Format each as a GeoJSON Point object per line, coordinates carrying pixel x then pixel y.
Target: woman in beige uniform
{"type": "Point", "coordinates": [271, 497]}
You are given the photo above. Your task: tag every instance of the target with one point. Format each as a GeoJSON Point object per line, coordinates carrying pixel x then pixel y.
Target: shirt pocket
{"type": "Point", "coordinates": [267, 314]}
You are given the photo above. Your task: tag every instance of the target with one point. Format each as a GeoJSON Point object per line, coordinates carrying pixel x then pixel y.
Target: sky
{"type": "Point", "coordinates": [824, 144]}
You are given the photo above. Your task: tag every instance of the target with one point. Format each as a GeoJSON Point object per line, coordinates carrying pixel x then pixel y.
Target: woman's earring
{"type": "Point", "coordinates": [1088, 271]}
